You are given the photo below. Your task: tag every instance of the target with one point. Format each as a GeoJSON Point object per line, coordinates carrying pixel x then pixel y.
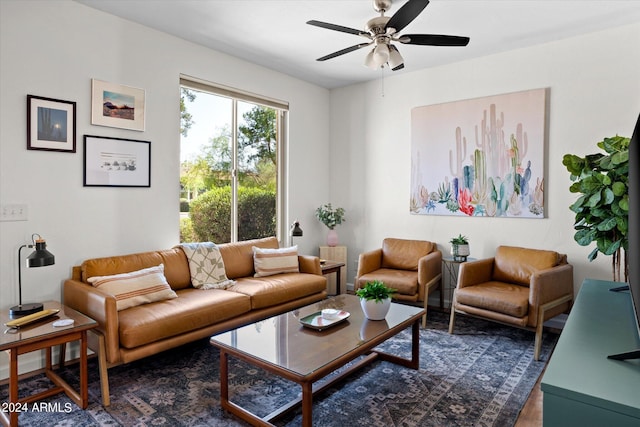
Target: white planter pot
{"type": "Point", "coordinates": [375, 310]}
{"type": "Point", "coordinates": [460, 252]}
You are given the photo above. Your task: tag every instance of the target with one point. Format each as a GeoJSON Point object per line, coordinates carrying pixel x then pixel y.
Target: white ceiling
{"type": "Point", "coordinates": [274, 33]}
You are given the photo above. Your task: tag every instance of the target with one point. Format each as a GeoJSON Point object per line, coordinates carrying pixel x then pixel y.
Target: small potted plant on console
{"type": "Point", "coordinates": [375, 299]}
{"type": "Point", "coordinates": [460, 248]}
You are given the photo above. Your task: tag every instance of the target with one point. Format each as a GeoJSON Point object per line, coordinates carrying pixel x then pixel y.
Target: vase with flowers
{"type": "Point", "coordinates": [330, 217]}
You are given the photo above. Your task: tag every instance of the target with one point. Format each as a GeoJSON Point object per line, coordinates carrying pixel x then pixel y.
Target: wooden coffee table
{"type": "Point", "coordinates": [283, 346]}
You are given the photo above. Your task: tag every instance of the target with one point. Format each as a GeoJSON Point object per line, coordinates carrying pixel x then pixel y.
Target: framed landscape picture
{"type": "Point", "coordinates": [117, 105]}
{"type": "Point", "coordinates": [116, 162]}
{"type": "Point", "coordinates": [51, 124]}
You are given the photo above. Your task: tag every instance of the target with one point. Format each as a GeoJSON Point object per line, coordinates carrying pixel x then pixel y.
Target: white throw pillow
{"type": "Point", "coordinates": [267, 262]}
{"type": "Point", "coordinates": [135, 288]}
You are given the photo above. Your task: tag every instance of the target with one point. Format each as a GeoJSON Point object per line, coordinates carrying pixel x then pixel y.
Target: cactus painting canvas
{"type": "Point", "coordinates": [480, 157]}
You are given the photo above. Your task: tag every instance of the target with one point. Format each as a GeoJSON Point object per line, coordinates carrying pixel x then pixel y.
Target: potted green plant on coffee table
{"type": "Point", "coordinates": [375, 299]}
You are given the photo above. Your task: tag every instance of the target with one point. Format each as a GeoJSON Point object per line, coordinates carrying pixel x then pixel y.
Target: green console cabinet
{"type": "Point", "coordinates": [581, 386]}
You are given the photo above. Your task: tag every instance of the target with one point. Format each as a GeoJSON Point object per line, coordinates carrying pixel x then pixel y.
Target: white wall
{"type": "Point", "coordinates": [53, 49]}
{"type": "Point", "coordinates": [594, 93]}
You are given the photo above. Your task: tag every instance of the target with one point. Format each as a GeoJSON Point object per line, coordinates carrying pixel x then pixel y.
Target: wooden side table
{"type": "Point", "coordinates": [329, 267]}
{"type": "Point", "coordinates": [42, 335]}
{"type": "Point", "coordinates": [335, 254]}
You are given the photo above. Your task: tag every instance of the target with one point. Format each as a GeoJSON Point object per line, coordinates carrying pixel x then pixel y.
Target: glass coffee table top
{"type": "Point", "coordinates": [284, 342]}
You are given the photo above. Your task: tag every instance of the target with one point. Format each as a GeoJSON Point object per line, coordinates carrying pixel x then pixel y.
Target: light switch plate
{"type": "Point", "coordinates": [14, 212]}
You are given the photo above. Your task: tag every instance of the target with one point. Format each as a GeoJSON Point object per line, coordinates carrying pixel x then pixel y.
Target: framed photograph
{"type": "Point", "coordinates": [51, 124]}
{"type": "Point", "coordinates": [116, 162]}
{"type": "Point", "coordinates": [117, 105]}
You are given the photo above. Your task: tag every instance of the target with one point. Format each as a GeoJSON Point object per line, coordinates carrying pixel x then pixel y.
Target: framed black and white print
{"type": "Point", "coordinates": [116, 162]}
{"type": "Point", "coordinates": [51, 124]}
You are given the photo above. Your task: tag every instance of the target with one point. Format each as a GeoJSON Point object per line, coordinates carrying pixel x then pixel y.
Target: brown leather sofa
{"type": "Point", "coordinates": [519, 286]}
{"type": "Point", "coordinates": [412, 267]}
{"type": "Point", "coordinates": [136, 332]}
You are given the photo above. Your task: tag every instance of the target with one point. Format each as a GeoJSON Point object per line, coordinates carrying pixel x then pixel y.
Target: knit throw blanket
{"type": "Point", "coordinates": [206, 265]}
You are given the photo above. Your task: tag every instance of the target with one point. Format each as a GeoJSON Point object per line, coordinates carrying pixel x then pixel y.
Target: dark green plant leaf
{"type": "Point", "coordinates": [622, 223]}
{"type": "Point", "coordinates": [607, 196]}
{"type": "Point", "coordinates": [575, 187]}
{"type": "Point", "coordinates": [619, 188]}
{"type": "Point", "coordinates": [573, 163]}
{"type": "Point", "coordinates": [607, 224]}
{"type": "Point", "coordinates": [624, 203]}
{"type": "Point", "coordinates": [585, 236]}
{"type": "Point", "coordinates": [607, 246]}
{"type": "Point", "coordinates": [594, 200]}
{"type": "Point", "coordinates": [620, 157]}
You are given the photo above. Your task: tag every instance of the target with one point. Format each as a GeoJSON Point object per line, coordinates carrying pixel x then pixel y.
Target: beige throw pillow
{"type": "Point", "coordinates": [267, 262]}
{"type": "Point", "coordinates": [135, 288]}
{"type": "Point", "coordinates": [206, 265]}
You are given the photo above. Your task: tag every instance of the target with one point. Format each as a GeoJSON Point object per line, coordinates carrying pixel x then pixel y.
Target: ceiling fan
{"type": "Point", "coordinates": [381, 31]}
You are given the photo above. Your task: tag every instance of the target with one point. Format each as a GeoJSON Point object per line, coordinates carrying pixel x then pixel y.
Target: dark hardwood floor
{"type": "Point", "coordinates": [531, 414]}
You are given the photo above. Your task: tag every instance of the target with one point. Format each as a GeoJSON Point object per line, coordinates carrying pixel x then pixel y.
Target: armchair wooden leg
{"type": "Point", "coordinates": [538, 342]}
{"type": "Point", "coordinates": [424, 317]}
{"type": "Point", "coordinates": [541, 318]}
{"type": "Point", "coordinates": [452, 319]}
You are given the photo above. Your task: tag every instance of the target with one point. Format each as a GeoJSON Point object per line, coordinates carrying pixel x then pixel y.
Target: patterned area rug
{"type": "Point", "coordinates": [480, 376]}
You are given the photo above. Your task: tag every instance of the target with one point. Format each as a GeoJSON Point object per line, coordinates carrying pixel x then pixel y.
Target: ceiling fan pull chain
{"type": "Point", "coordinates": [382, 80]}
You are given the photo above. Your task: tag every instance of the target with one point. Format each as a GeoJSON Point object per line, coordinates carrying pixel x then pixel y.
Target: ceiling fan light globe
{"type": "Point", "coordinates": [381, 54]}
{"type": "Point", "coordinates": [370, 62]}
{"type": "Point", "coordinates": [395, 59]}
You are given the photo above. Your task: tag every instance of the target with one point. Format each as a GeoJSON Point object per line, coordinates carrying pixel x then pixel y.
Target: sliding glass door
{"type": "Point", "coordinates": [231, 155]}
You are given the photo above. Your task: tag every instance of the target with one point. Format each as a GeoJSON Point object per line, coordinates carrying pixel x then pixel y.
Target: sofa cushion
{"type": "Point", "coordinates": [238, 256]}
{"type": "Point", "coordinates": [404, 254]}
{"type": "Point", "coordinates": [280, 288]}
{"type": "Point", "coordinates": [267, 262]}
{"type": "Point", "coordinates": [193, 309]}
{"type": "Point", "coordinates": [500, 297]}
{"type": "Point", "coordinates": [516, 265]}
{"type": "Point", "coordinates": [176, 268]}
{"type": "Point", "coordinates": [135, 288]}
{"type": "Point", "coordinates": [403, 281]}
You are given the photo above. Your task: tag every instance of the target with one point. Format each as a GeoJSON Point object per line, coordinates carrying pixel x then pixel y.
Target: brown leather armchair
{"type": "Point", "coordinates": [412, 267]}
{"type": "Point", "coordinates": [518, 286]}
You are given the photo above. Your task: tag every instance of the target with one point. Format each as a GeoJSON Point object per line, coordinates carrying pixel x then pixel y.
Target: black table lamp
{"type": "Point", "coordinates": [39, 258]}
{"type": "Point", "coordinates": [295, 231]}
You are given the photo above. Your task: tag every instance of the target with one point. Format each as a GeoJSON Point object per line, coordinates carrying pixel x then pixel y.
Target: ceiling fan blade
{"type": "Point", "coordinates": [343, 51]}
{"type": "Point", "coordinates": [406, 14]}
{"type": "Point", "coordinates": [434, 40]}
{"type": "Point", "coordinates": [399, 67]}
{"type": "Point", "coordinates": [335, 27]}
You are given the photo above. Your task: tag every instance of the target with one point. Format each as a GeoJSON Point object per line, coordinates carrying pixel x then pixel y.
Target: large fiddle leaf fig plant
{"type": "Point", "coordinates": [602, 210]}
